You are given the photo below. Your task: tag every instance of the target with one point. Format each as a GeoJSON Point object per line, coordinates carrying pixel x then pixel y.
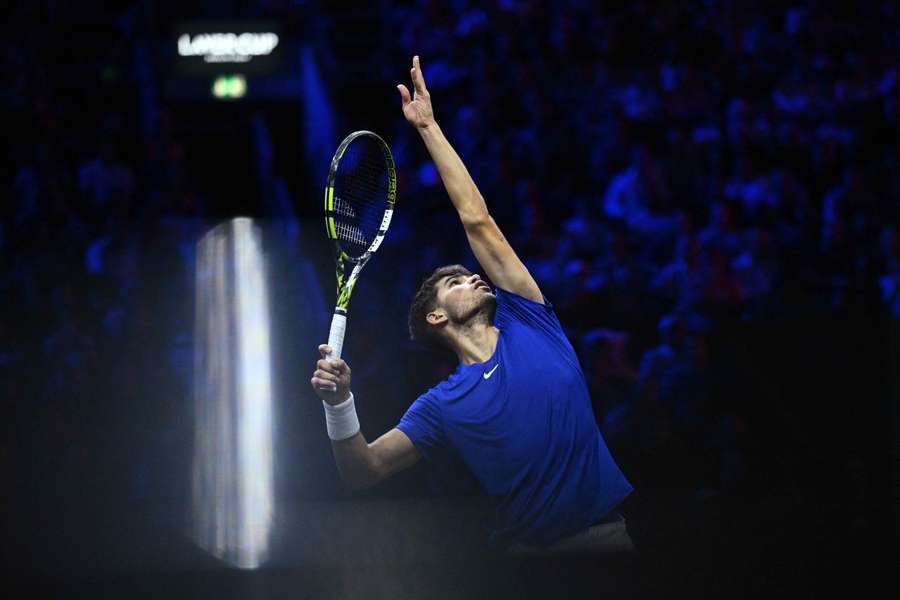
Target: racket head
{"type": "Point", "coordinates": [359, 195]}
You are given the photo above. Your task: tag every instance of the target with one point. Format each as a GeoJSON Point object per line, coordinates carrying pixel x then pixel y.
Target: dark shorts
{"type": "Point", "coordinates": [608, 536]}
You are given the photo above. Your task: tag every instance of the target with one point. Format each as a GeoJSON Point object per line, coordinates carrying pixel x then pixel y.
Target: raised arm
{"type": "Point", "coordinates": [493, 252]}
{"type": "Point", "coordinates": [360, 463]}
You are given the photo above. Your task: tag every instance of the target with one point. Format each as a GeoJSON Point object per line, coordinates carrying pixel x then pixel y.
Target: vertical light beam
{"type": "Point", "coordinates": [232, 474]}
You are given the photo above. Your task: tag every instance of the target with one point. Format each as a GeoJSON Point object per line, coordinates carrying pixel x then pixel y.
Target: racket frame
{"type": "Point", "coordinates": [346, 284]}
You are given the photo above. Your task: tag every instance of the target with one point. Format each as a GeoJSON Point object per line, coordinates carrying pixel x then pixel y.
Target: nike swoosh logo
{"type": "Point", "coordinates": [491, 372]}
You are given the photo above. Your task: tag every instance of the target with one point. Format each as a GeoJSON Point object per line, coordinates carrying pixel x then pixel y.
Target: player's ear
{"type": "Point", "coordinates": [436, 317]}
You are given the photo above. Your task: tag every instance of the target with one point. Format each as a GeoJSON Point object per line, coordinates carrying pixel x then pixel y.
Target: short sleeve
{"type": "Point", "coordinates": [514, 311]}
{"type": "Point", "coordinates": [513, 307]}
{"type": "Point", "coordinates": [423, 424]}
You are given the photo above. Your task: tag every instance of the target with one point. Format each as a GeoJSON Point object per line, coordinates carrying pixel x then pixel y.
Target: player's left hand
{"type": "Point", "coordinates": [417, 109]}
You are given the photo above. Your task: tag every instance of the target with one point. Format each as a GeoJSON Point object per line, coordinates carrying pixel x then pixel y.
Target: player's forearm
{"type": "Point", "coordinates": [460, 187]}
{"type": "Point", "coordinates": [355, 461]}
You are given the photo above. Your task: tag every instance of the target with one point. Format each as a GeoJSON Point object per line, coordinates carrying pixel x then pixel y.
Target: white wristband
{"type": "Point", "coordinates": [341, 420]}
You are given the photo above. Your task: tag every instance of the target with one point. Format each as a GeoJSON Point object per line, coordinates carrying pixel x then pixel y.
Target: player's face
{"type": "Point", "coordinates": [465, 296]}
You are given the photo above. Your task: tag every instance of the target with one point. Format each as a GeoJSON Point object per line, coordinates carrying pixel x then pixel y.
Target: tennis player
{"type": "Point", "coordinates": [516, 409]}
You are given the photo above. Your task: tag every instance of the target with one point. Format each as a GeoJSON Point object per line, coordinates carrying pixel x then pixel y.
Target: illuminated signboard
{"type": "Point", "coordinates": [214, 47]}
{"type": "Point", "coordinates": [227, 47]}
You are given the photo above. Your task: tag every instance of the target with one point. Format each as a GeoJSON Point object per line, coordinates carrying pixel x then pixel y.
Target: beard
{"type": "Point", "coordinates": [481, 311]}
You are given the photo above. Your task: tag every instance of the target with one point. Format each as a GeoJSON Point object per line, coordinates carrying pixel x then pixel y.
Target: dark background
{"type": "Point", "coordinates": [709, 193]}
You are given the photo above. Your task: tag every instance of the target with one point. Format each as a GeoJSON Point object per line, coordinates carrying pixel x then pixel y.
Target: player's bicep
{"type": "Point", "coordinates": [499, 261]}
{"type": "Point", "coordinates": [393, 452]}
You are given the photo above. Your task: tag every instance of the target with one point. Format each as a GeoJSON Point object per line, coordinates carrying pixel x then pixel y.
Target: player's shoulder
{"type": "Point", "coordinates": [455, 385]}
{"type": "Point", "coordinates": [514, 310]}
{"type": "Point", "coordinates": [531, 301]}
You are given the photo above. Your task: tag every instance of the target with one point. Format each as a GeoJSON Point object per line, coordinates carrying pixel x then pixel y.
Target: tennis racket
{"type": "Point", "coordinates": [359, 203]}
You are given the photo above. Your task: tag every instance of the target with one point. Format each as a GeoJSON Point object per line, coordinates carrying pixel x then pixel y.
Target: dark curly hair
{"type": "Point", "coordinates": [425, 301]}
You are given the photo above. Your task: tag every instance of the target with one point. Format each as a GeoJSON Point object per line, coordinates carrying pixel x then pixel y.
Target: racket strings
{"type": "Point", "coordinates": [351, 233]}
{"type": "Point", "coordinates": [360, 196]}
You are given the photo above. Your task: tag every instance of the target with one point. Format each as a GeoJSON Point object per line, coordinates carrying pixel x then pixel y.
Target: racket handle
{"type": "Point", "coordinates": [336, 335]}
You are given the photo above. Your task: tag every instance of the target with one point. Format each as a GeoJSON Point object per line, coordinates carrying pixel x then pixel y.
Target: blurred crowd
{"type": "Point", "coordinates": [669, 172]}
{"type": "Point", "coordinates": [673, 173]}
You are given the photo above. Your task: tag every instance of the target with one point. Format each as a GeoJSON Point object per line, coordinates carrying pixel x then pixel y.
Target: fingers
{"type": "Point", "coordinates": [417, 78]}
{"type": "Point", "coordinates": [323, 384]}
{"type": "Point", "coordinates": [335, 367]}
{"type": "Point", "coordinates": [321, 375]}
{"type": "Point", "coordinates": [327, 375]}
{"type": "Point", "coordinates": [329, 372]}
{"type": "Point", "coordinates": [404, 94]}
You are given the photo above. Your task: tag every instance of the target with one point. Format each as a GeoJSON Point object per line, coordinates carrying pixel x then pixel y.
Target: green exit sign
{"type": "Point", "coordinates": [229, 87]}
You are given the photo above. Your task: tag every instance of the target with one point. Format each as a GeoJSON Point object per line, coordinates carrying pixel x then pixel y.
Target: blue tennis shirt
{"type": "Point", "coordinates": [522, 421]}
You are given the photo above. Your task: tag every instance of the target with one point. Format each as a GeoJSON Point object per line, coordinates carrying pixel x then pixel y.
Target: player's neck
{"type": "Point", "coordinates": [476, 343]}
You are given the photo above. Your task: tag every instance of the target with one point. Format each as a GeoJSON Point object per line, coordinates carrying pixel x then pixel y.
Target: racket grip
{"type": "Point", "coordinates": [336, 335]}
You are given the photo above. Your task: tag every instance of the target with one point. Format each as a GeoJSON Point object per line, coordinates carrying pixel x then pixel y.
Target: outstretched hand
{"type": "Point", "coordinates": [417, 108]}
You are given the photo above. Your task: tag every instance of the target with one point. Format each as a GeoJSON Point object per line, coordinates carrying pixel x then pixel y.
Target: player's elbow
{"type": "Point", "coordinates": [362, 477]}
{"type": "Point", "coordinates": [476, 219]}
{"type": "Point", "coordinates": [472, 209]}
